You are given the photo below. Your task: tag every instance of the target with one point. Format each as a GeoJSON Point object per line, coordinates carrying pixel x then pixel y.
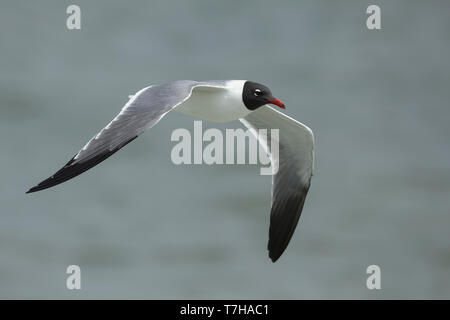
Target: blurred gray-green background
{"type": "Point", "coordinates": [141, 227]}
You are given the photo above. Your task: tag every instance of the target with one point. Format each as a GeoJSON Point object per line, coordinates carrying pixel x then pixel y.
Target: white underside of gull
{"type": "Point", "coordinates": [216, 104]}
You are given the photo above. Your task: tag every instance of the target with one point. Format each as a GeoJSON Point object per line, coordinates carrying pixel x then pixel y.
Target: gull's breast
{"type": "Point", "coordinates": [215, 104]}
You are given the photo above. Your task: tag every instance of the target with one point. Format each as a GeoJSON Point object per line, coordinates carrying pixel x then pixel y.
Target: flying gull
{"type": "Point", "coordinates": [217, 101]}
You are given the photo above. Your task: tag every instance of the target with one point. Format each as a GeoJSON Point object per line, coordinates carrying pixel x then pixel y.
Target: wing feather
{"type": "Point", "coordinates": [291, 182]}
{"type": "Point", "coordinates": [143, 111]}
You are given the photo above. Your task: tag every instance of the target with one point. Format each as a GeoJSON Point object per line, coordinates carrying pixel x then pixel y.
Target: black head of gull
{"type": "Point", "coordinates": [256, 95]}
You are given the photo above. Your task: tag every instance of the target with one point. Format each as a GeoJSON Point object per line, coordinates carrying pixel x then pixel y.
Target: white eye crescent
{"type": "Point", "coordinates": [257, 92]}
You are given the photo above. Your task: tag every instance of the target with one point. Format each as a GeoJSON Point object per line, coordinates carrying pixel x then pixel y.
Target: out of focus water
{"type": "Point", "coordinates": [141, 227]}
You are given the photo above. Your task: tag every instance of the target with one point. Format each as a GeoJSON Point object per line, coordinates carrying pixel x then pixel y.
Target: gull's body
{"type": "Point", "coordinates": [217, 101]}
{"type": "Point", "coordinates": [216, 104]}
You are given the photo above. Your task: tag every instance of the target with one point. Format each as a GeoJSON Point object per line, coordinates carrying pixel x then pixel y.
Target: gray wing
{"type": "Point", "coordinates": [290, 183]}
{"type": "Point", "coordinates": [142, 112]}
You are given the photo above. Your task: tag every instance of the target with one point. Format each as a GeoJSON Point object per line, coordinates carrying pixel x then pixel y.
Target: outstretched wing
{"type": "Point", "coordinates": [291, 182]}
{"type": "Point", "coordinates": [142, 112]}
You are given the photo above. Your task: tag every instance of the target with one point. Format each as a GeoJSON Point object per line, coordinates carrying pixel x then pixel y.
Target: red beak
{"type": "Point", "coordinates": [277, 102]}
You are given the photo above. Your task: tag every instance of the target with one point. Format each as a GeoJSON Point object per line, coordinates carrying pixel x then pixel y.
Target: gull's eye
{"type": "Point", "coordinates": [258, 92]}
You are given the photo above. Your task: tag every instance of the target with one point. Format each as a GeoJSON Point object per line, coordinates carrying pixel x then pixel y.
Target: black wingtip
{"type": "Point", "coordinates": [275, 253]}
{"type": "Point", "coordinates": [284, 218]}
{"type": "Point", "coordinates": [73, 169]}
{"type": "Point", "coordinates": [274, 258]}
{"type": "Point", "coordinates": [50, 182]}
{"type": "Point", "coordinates": [36, 188]}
